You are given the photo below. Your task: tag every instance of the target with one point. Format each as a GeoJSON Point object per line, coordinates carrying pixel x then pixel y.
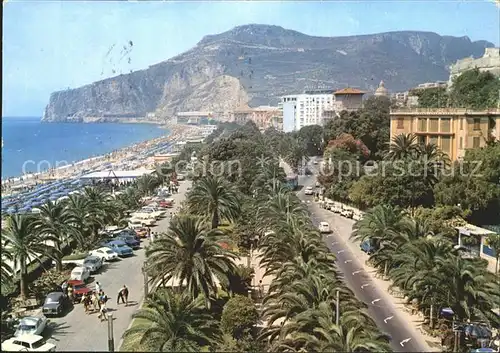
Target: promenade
{"type": "Point", "coordinates": [77, 331]}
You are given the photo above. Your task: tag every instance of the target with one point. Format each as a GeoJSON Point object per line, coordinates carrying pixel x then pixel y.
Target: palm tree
{"type": "Point", "coordinates": [7, 272]}
{"type": "Point", "coordinates": [87, 220]}
{"type": "Point", "coordinates": [215, 199]}
{"type": "Point", "coordinates": [23, 245]}
{"type": "Point", "coordinates": [54, 222]}
{"type": "Point", "coordinates": [147, 183]}
{"type": "Point", "coordinates": [172, 322]}
{"type": "Point", "coordinates": [402, 146]}
{"type": "Point", "coordinates": [190, 254]}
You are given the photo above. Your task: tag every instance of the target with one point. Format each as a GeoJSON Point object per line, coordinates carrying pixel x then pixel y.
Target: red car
{"type": "Point", "coordinates": [79, 289]}
{"type": "Point", "coordinates": [165, 204]}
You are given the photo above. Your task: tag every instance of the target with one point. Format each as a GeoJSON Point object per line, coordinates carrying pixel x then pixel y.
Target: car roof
{"type": "Point", "coordinates": [117, 242]}
{"type": "Point", "coordinates": [103, 248]}
{"type": "Point", "coordinates": [78, 269]}
{"type": "Point", "coordinates": [91, 257]}
{"type": "Point", "coordinates": [29, 320]}
{"type": "Point", "coordinates": [75, 282]}
{"type": "Point", "coordinates": [55, 295]}
{"type": "Point", "coordinates": [28, 338]}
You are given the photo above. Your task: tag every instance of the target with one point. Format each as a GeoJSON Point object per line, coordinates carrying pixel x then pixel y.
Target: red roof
{"type": "Point", "coordinates": [349, 90]}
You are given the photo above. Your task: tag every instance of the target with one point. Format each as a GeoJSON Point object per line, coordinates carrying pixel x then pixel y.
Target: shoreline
{"type": "Point", "coordinates": [11, 186]}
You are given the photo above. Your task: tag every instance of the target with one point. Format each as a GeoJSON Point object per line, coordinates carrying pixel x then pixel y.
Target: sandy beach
{"type": "Point", "coordinates": [115, 159]}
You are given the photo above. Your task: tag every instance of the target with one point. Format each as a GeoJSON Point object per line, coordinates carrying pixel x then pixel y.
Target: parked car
{"type": "Point", "coordinates": [28, 343]}
{"type": "Point", "coordinates": [105, 253]}
{"type": "Point", "coordinates": [367, 247]}
{"type": "Point", "coordinates": [120, 247]}
{"type": "Point", "coordinates": [346, 213]}
{"type": "Point", "coordinates": [309, 191]}
{"type": "Point", "coordinates": [156, 213]}
{"type": "Point", "coordinates": [141, 232]}
{"type": "Point", "coordinates": [324, 227]}
{"type": "Point", "coordinates": [165, 203]}
{"type": "Point", "coordinates": [130, 241]}
{"type": "Point", "coordinates": [129, 232]}
{"type": "Point", "coordinates": [79, 289]}
{"type": "Point", "coordinates": [92, 263]}
{"type": "Point", "coordinates": [31, 325]}
{"type": "Point", "coordinates": [80, 273]}
{"type": "Point", "coordinates": [143, 218]}
{"type": "Point", "coordinates": [55, 303]}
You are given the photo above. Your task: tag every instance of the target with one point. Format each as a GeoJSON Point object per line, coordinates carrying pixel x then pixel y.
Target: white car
{"type": "Point", "coordinates": [156, 213]}
{"type": "Point", "coordinates": [31, 325]}
{"type": "Point", "coordinates": [309, 191]}
{"type": "Point", "coordinates": [105, 253]}
{"type": "Point", "coordinates": [80, 274]}
{"type": "Point", "coordinates": [346, 213]}
{"type": "Point", "coordinates": [324, 227]}
{"type": "Point", "coordinates": [92, 263]}
{"type": "Point", "coordinates": [144, 221]}
{"type": "Point", "coordinates": [28, 343]}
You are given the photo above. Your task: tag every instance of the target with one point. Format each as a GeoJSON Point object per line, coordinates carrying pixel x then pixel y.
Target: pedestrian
{"type": "Point", "coordinates": [103, 312]}
{"type": "Point", "coordinates": [70, 293]}
{"type": "Point", "coordinates": [86, 303]}
{"type": "Point", "coordinates": [98, 287]}
{"type": "Point", "coordinates": [95, 301]}
{"type": "Point", "coordinates": [152, 237]}
{"type": "Point", "coordinates": [123, 295]}
{"type": "Point", "coordinates": [64, 287]}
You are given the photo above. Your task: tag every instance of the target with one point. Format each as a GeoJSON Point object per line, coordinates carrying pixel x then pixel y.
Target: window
{"type": "Point", "coordinates": [400, 123]}
{"type": "Point", "coordinates": [445, 125]}
{"type": "Point", "coordinates": [433, 141]}
{"type": "Point", "coordinates": [433, 125]}
{"type": "Point", "coordinates": [477, 124]}
{"type": "Point", "coordinates": [461, 144]}
{"type": "Point", "coordinates": [422, 125]}
{"type": "Point", "coordinates": [461, 123]}
{"type": "Point", "coordinates": [475, 142]}
{"type": "Point", "coordinates": [445, 144]}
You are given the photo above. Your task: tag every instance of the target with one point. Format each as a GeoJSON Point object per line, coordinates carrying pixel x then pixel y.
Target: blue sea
{"type": "Point", "coordinates": [35, 145]}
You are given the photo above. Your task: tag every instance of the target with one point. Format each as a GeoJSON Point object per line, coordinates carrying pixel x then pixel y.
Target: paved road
{"type": "Point", "coordinates": [77, 331]}
{"type": "Point", "coordinates": [350, 263]}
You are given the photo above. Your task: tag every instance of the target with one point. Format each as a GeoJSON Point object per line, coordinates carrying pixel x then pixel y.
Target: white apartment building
{"type": "Point", "coordinates": [304, 109]}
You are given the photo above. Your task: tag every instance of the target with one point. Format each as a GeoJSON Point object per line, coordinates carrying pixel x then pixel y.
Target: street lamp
{"type": "Point", "coordinates": [111, 341]}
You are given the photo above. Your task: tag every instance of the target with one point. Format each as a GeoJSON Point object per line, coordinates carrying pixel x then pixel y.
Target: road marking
{"type": "Point", "coordinates": [365, 285]}
{"type": "Point", "coordinates": [355, 272]}
{"type": "Point", "coordinates": [406, 340]}
{"type": "Point", "coordinates": [375, 300]}
{"type": "Point", "coordinates": [347, 261]}
{"type": "Point", "coordinates": [340, 251]}
{"type": "Point", "coordinates": [388, 318]}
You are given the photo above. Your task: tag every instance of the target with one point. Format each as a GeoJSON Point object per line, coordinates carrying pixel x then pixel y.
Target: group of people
{"type": "Point", "coordinates": [96, 300]}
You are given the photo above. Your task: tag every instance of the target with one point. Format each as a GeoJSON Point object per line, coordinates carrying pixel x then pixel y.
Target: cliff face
{"type": "Point", "coordinates": [256, 64]}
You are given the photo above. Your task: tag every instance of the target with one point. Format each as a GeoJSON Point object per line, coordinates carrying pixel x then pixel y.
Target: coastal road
{"type": "Point", "coordinates": [404, 338]}
{"type": "Point", "coordinates": [77, 331]}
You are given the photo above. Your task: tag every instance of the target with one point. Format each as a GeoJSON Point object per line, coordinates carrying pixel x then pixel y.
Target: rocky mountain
{"type": "Point", "coordinates": [256, 64]}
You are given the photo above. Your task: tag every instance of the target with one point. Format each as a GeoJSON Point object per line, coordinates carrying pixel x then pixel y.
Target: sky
{"type": "Point", "coordinates": [51, 46]}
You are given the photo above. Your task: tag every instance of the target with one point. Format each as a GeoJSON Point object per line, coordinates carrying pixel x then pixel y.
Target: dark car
{"type": "Point", "coordinates": [367, 247]}
{"type": "Point", "coordinates": [55, 303]}
{"type": "Point", "coordinates": [130, 240]}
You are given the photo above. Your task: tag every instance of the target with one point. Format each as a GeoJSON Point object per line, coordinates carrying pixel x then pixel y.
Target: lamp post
{"type": "Point", "coordinates": [111, 340]}
{"type": "Point", "coordinates": [146, 282]}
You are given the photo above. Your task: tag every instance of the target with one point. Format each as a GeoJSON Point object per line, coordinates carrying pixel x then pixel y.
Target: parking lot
{"type": "Point", "coordinates": [77, 331]}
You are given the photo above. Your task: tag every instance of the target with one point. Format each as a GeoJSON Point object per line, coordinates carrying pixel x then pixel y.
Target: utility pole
{"type": "Point", "coordinates": [337, 309]}
{"type": "Point", "coordinates": [111, 340]}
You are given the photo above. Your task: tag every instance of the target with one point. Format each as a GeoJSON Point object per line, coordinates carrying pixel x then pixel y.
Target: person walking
{"type": "Point", "coordinates": [123, 295]}
{"type": "Point", "coordinates": [98, 287]}
{"type": "Point", "coordinates": [70, 293]}
{"type": "Point", "coordinates": [86, 303]}
{"type": "Point", "coordinates": [64, 287]}
{"type": "Point", "coordinates": [103, 312]}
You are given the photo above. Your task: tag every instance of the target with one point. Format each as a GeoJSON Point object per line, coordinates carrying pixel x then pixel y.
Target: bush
{"type": "Point", "coordinates": [49, 281]}
{"type": "Point", "coordinates": [239, 317]}
{"type": "Point", "coordinates": [77, 256]}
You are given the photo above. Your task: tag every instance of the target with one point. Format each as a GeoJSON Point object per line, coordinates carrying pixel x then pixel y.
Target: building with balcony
{"type": "Point", "coordinates": [305, 109]}
{"type": "Point", "coordinates": [453, 130]}
{"type": "Point", "coordinates": [264, 117]}
{"type": "Point", "coordinates": [350, 99]}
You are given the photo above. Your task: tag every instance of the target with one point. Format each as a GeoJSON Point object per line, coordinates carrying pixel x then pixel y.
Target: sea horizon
{"type": "Point", "coordinates": [30, 145]}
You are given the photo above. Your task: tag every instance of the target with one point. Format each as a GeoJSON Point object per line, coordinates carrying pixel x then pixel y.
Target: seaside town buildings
{"type": "Point", "coordinates": [264, 117]}
{"type": "Point", "coordinates": [453, 130]}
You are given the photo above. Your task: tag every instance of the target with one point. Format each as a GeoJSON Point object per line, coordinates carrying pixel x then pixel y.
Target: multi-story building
{"type": "Point", "coordinates": [193, 118]}
{"type": "Point", "coordinates": [490, 61]}
{"type": "Point", "coordinates": [304, 109]}
{"type": "Point", "coordinates": [453, 130]}
{"type": "Point", "coordinates": [441, 84]}
{"type": "Point", "coordinates": [349, 99]}
{"type": "Point", "coordinates": [263, 116]}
